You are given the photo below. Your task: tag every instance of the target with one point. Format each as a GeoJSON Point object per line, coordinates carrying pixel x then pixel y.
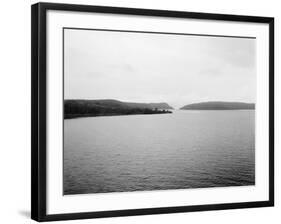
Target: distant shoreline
{"type": "Point", "coordinates": [220, 109]}
{"type": "Point", "coordinates": [219, 105]}
{"type": "Point", "coordinates": [73, 116]}
{"type": "Point", "coordinates": [108, 107]}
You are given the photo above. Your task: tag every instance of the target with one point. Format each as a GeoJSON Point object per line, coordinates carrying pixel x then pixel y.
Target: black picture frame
{"type": "Point", "coordinates": [39, 107]}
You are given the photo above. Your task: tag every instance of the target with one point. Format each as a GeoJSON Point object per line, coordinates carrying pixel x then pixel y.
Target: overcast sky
{"type": "Point", "coordinates": [141, 67]}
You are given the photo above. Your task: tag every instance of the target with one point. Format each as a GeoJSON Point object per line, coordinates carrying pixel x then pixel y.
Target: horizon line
{"type": "Point", "coordinates": [149, 102]}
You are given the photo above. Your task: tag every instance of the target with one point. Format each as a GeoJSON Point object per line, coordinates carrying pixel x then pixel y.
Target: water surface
{"type": "Point", "coordinates": [186, 149]}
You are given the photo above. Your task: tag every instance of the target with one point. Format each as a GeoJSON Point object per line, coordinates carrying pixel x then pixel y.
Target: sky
{"type": "Point", "coordinates": [145, 67]}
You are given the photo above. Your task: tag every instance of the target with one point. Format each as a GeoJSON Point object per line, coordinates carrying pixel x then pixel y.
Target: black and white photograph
{"type": "Point", "coordinates": [139, 111]}
{"type": "Point", "coordinates": [149, 111]}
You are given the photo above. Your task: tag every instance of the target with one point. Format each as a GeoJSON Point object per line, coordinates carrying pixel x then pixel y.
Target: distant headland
{"type": "Point", "coordinates": [110, 107]}
{"type": "Point", "coordinates": [219, 105]}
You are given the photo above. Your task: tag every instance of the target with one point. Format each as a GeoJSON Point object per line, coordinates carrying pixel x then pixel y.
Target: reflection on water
{"type": "Point", "coordinates": [186, 149]}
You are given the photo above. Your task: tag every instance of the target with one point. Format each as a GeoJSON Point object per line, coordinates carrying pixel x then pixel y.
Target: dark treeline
{"type": "Point", "coordinates": [88, 108]}
{"type": "Point", "coordinates": [219, 105]}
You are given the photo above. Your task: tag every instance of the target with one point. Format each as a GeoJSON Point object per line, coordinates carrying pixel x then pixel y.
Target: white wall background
{"type": "Point", "coordinates": [15, 110]}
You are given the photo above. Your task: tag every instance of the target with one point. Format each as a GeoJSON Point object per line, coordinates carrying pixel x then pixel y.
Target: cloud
{"type": "Point", "coordinates": [152, 67]}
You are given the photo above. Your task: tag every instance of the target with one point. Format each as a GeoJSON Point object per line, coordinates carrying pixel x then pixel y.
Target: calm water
{"type": "Point", "coordinates": [186, 149]}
